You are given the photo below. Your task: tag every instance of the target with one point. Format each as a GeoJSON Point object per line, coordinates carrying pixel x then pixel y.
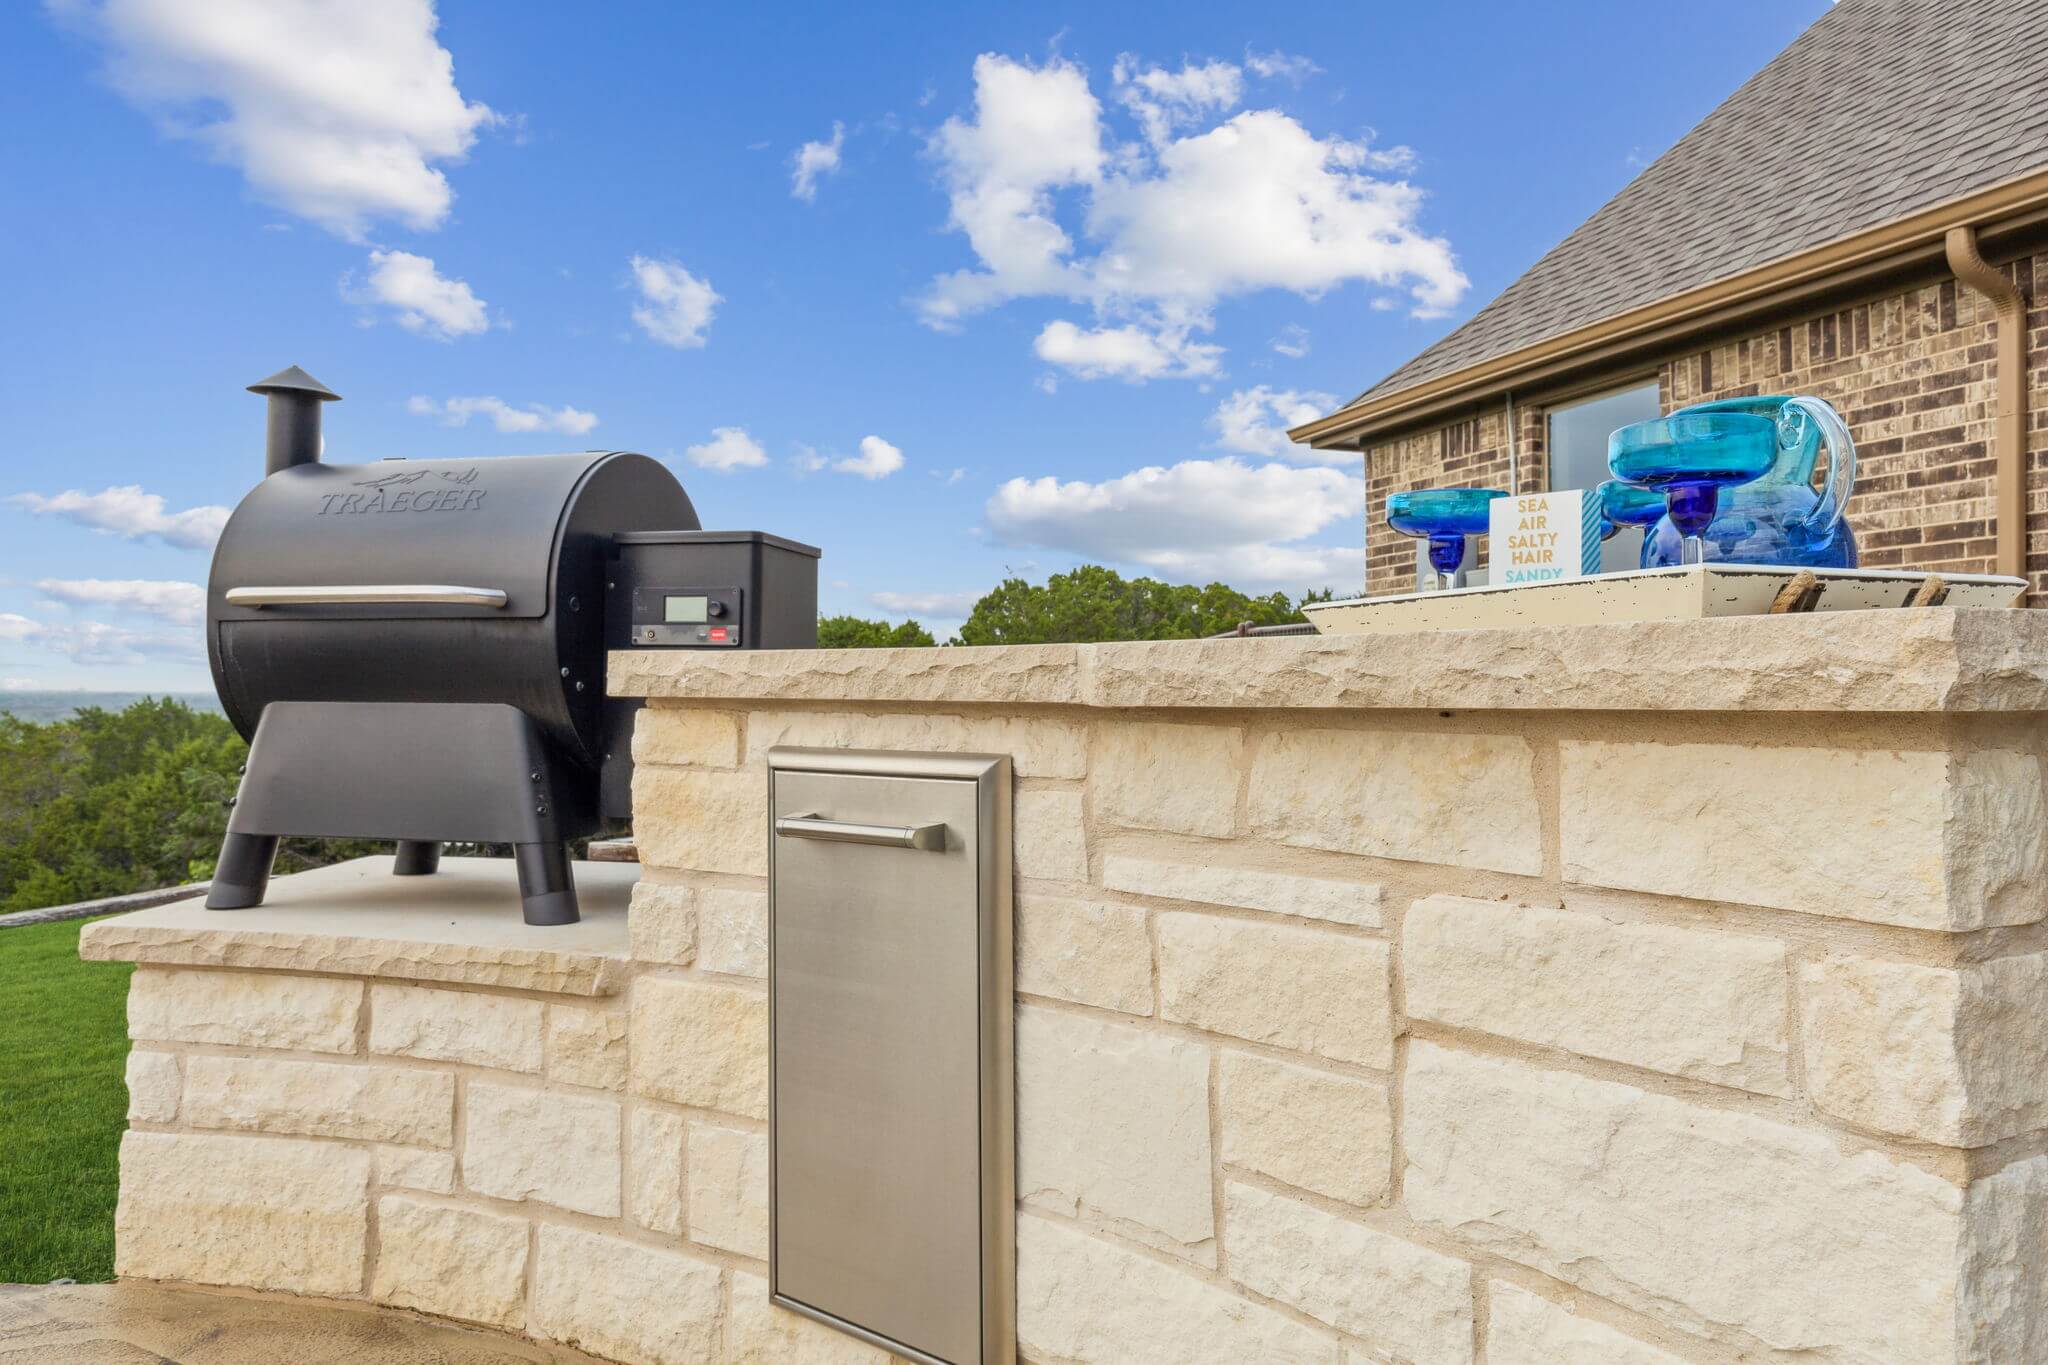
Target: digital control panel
{"type": "Point", "coordinates": [693, 618]}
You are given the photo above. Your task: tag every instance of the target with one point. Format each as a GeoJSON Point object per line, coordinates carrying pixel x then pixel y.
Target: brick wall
{"type": "Point", "coordinates": [1913, 373]}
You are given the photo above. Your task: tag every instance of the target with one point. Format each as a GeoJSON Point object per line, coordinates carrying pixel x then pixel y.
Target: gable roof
{"type": "Point", "coordinates": [1882, 108]}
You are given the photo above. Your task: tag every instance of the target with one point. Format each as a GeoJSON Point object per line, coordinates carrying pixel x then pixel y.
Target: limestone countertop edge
{"type": "Point", "coordinates": [353, 919]}
{"type": "Point", "coordinates": [1936, 659]}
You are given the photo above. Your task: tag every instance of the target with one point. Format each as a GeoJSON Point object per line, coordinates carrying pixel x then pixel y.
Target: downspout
{"type": "Point", "coordinates": [1514, 466]}
{"type": "Point", "coordinates": [2009, 499]}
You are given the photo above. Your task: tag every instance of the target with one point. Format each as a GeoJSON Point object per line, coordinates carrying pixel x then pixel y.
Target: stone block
{"type": "Point", "coordinates": [500, 1031]}
{"type": "Point", "coordinates": [686, 736]}
{"type": "Point", "coordinates": [1528, 1329]}
{"type": "Point", "coordinates": [624, 1300]}
{"type": "Point", "coordinates": [587, 1046]}
{"type": "Point", "coordinates": [543, 1145]}
{"type": "Point", "coordinates": [759, 1333]}
{"type": "Point", "coordinates": [661, 923]}
{"type": "Point", "coordinates": [701, 1043]}
{"type": "Point", "coordinates": [1946, 1055]}
{"type": "Point", "coordinates": [455, 1263]}
{"type": "Point", "coordinates": [1114, 1121]}
{"type": "Point", "coordinates": [1405, 1300]}
{"type": "Point", "coordinates": [321, 1099]}
{"type": "Point", "coordinates": [1181, 778]}
{"type": "Point", "coordinates": [153, 1086]}
{"type": "Point", "coordinates": [1322, 1132]}
{"type": "Point", "coordinates": [1085, 1300]}
{"type": "Point", "coordinates": [1084, 951]}
{"type": "Point", "coordinates": [1037, 747]}
{"type": "Point", "coordinates": [1412, 795]}
{"type": "Point", "coordinates": [244, 1009]}
{"type": "Point", "coordinates": [1714, 1219]}
{"type": "Point", "coordinates": [1306, 989]}
{"type": "Point", "coordinates": [1051, 841]}
{"type": "Point", "coordinates": [1707, 1006]}
{"type": "Point", "coordinates": [1212, 880]}
{"type": "Point", "coordinates": [702, 820]}
{"type": "Point", "coordinates": [732, 928]}
{"type": "Point", "coordinates": [728, 1183]}
{"type": "Point", "coordinates": [1939, 841]}
{"type": "Point", "coordinates": [654, 1164]}
{"type": "Point", "coordinates": [258, 1213]}
{"type": "Point", "coordinates": [412, 1168]}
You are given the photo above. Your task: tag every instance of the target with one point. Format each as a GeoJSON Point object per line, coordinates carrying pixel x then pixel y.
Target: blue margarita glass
{"type": "Point", "coordinates": [1446, 516]}
{"type": "Point", "coordinates": [1624, 504]}
{"type": "Point", "coordinates": [1690, 458]}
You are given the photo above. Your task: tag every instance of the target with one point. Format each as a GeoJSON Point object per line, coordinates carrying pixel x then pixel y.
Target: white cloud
{"type": "Point", "coordinates": [675, 306]}
{"type": "Point", "coordinates": [728, 449]}
{"type": "Point", "coordinates": [128, 512]}
{"type": "Point", "coordinates": [1292, 341]}
{"type": "Point", "coordinates": [337, 112]}
{"type": "Point", "coordinates": [167, 599]}
{"type": "Point", "coordinates": [1197, 520]}
{"type": "Point", "coordinates": [1178, 223]}
{"type": "Point", "coordinates": [1269, 65]}
{"type": "Point", "coordinates": [1131, 352]}
{"type": "Point", "coordinates": [12, 684]}
{"type": "Point", "coordinates": [425, 300]}
{"type": "Point", "coordinates": [807, 460]}
{"type": "Point", "coordinates": [1163, 100]}
{"type": "Point", "coordinates": [946, 605]}
{"type": "Point", "coordinates": [1035, 129]}
{"type": "Point", "coordinates": [1255, 421]}
{"type": "Point", "coordinates": [97, 643]}
{"type": "Point", "coordinates": [815, 159]}
{"type": "Point", "coordinates": [456, 412]}
{"type": "Point", "coordinates": [948, 477]}
{"type": "Point", "coordinates": [877, 459]}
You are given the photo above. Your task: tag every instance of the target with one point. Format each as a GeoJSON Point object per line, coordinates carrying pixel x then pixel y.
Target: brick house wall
{"type": "Point", "coordinates": [1912, 371]}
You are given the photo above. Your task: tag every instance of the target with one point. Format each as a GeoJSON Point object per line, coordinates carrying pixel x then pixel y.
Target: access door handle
{"type": "Point", "coordinates": [369, 594]}
{"type": "Point", "coordinates": [931, 838]}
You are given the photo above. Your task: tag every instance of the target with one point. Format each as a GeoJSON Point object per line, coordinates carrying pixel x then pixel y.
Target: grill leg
{"type": "Point", "coordinates": [243, 872]}
{"type": "Point", "coordinates": [416, 858]}
{"type": "Point", "coordinates": [547, 891]}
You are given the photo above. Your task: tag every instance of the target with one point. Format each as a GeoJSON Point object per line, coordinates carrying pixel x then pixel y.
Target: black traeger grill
{"type": "Point", "coordinates": [415, 649]}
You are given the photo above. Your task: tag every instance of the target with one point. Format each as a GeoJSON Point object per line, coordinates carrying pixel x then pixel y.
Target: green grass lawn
{"type": "Point", "coordinates": [63, 1105]}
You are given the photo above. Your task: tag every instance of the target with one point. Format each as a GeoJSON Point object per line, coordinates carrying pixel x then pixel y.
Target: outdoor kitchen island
{"type": "Point", "coordinates": [1625, 993]}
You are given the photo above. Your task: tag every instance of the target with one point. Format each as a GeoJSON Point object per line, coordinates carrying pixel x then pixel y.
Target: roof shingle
{"type": "Point", "coordinates": [1880, 109]}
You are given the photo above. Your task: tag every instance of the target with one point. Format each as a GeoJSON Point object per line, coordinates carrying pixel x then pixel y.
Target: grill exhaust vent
{"type": "Point", "coordinates": [292, 434]}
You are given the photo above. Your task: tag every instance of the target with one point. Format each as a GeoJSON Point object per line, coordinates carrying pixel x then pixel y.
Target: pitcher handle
{"type": "Point", "coordinates": [1841, 480]}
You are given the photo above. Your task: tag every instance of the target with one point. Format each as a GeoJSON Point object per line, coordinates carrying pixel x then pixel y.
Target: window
{"type": "Point", "coordinates": [1578, 454]}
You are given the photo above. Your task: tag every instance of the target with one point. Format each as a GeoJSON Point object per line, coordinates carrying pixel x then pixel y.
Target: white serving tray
{"type": "Point", "coordinates": [1689, 593]}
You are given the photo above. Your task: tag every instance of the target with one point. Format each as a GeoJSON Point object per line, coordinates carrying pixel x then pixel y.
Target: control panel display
{"type": "Point", "coordinates": [687, 617]}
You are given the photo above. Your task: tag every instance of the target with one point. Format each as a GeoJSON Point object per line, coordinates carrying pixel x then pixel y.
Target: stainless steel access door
{"type": "Point", "coordinates": [891, 1178]}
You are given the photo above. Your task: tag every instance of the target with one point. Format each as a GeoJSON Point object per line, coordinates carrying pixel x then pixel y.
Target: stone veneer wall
{"type": "Point", "coordinates": [1374, 1004]}
{"type": "Point", "coordinates": [572, 1150]}
{"type": "Point", "coordinates": [1348, 1035]}
{"type": "Point", "coordinates": [1911, 369]}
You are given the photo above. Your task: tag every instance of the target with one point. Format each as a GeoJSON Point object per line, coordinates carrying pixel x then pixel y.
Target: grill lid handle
{"type": "Point", "coordinates": [361, 594]}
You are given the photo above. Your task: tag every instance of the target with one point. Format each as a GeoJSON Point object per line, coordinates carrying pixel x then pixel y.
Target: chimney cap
{"type": "Point", "coordinates": [292, 379]}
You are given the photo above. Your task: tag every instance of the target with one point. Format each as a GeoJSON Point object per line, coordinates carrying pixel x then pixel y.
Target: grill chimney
{"type": "Point", "coordinates": [292, 434]}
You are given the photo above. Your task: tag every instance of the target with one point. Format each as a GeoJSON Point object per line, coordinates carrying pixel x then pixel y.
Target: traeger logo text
{"type": "Point", "coordinates": [390, 494]}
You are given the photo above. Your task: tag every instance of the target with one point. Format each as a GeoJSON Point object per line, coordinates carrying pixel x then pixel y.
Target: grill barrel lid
{"type": "Point", "coordinates": [488, 524]}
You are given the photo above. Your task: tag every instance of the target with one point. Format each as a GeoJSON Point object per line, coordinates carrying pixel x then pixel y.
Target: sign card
{"type": "Point", "coordinates": [1544, 537]}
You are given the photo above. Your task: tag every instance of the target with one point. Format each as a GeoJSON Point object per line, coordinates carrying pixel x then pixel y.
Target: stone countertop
{"type": "Point", "coordinates": [356, 919]}
{"type": "Point", "coordinates": [1926, 659]}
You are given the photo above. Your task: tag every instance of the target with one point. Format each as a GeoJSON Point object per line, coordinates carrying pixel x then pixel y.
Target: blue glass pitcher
{"type": "Point", "coordinates": [1779, 518]}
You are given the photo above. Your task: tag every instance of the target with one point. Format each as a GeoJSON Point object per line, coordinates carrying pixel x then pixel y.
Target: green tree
{"type": "Point", "coordinates": [108, 802]}
{"type": "Point", "coordinates": [851, 632]}
{"type": "Point", "coordinates": [1093, 603]}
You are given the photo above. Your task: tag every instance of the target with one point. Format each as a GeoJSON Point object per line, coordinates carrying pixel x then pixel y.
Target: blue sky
{"type": "Point", "coordinates": [951, 294]}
